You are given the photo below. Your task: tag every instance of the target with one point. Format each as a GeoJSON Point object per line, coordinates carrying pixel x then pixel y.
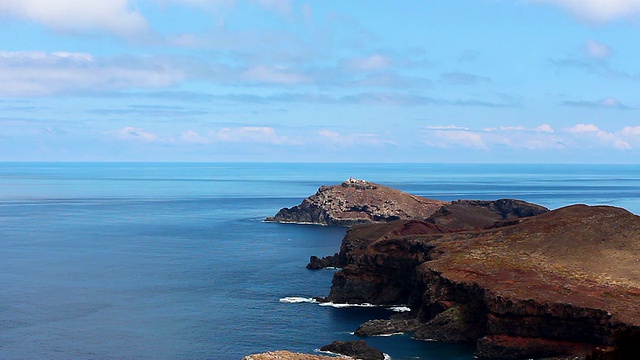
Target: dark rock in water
{"type": "Point", "coordinates": [565, 283]}
{"type": "Point", "coordinates": [357, 349]}
{"type": "Point", "coordinates": [401, 323]}
{"type": "Point", "coordinates": [334, 261]}
{"type": "Point", "coordinates": [479, 214]}
{"type": "Point", "coordinates": [454, 325]}
{"type": "Point", "coordinates": [357, 202]}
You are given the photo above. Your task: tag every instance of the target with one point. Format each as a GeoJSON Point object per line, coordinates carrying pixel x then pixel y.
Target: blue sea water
{"type": "Point", "coordinates": [173, 261]}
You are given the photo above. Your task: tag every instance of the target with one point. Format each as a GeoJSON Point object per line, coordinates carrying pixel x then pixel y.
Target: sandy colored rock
{"type": "Point", "coordinates": [288, 355]}
{"type": "Point", "coordinates": [358, 202]}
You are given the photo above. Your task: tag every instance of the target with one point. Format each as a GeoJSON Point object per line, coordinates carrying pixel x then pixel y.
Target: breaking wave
{"type": "Point", "coordinates": [297, 300]}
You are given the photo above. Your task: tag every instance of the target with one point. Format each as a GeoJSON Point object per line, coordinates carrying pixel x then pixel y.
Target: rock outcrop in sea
{"type": "Point", "coordinates": [355, 349]}
{"type": "Point", "coordinates": [560, 283]}
{"type": "Point", "coordinates": [357, 202]}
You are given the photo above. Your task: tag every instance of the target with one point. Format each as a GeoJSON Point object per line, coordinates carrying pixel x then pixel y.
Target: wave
{"type": "Point", "coordinates": [267, 220]}
{"type": "Point", "coordinates": [400, 308]}
{"type": "Point", "coordinates": [297, 300]}
{"type": "Point", "coordinates": [340, 306]}
{"type": "Point", "coordinates": [339, 356]}
{"type": "Point", "coordinates": [391, 334]}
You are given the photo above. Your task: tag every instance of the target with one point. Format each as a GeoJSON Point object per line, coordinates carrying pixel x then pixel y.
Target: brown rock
{"type": "Point", "coordinates": [479, 214]}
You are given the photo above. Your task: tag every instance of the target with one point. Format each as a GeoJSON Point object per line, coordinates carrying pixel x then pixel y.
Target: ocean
{"type": "Point", "coordinates": [174, 260]}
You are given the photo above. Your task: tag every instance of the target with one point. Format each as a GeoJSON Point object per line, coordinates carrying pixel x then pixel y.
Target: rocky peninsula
{"type": "Point", "coordinates": [513, 278]}
{"type": "Point", "coordinates": [357, 202]}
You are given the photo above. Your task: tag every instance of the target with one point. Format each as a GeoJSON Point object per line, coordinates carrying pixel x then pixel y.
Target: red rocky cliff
{"type": "Point", "coordinates": [562, 283]}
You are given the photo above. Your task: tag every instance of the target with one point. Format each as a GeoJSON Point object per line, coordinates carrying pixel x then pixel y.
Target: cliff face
{"type": "Point", "coordinates": [358, 202]}
{"type": "Point", "coordinates": [566, 282]}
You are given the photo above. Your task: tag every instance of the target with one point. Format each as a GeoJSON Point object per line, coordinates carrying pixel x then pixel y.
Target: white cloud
{"type": "Point", "coordinates": [113, 16]}
{"type": "Point", "coordinates": [584, 128]}
{"type": "Point", "coordinates": [542, 137]}
{"type": "Point", "coordinates": [193, 137]}
{"type": "Point", "coordinates": [33, 73]}
{"type": "Point", "coordinates": [338, 139]}
{"type": "Point", "coordinates": [544, 128]}
{"type": "Point", "coordinates": [373, 62]}
{"type": "Point", "coordinates": [633, 131]}
{"type": "Point", "coordinates": [597, 50]}
{"type": "Point", "coordinates": [250, 134]}
{"type": "Point", "coordinates": [133, 133]}
{"type": "Point", "coordinates": [595, 136]}
{"type": "Point", "coordinates": [448, 138]}
{"type": "Point", "coordinates": [597, 10]}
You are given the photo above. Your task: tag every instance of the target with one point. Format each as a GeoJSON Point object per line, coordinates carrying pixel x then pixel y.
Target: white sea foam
{"type": "Point", "coordinates": [297, 300]}
{"type": "Point", "coordinates": [339, 356]}
{"type": "Point", "coordinates": [392, 334]}
{"type": "Point", "coordinates": [328, 353]}
{"type": "Point", "coordinates": [294, 222]}
{"type": "Point", "coordinates": [400, 308]}
{"type": "Point", "coordinates": [339, 306]}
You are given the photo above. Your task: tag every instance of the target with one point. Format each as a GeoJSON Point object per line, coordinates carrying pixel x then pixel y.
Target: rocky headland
{"type": "Point", "coordinates": [559, 283]}
{"type": "Point", "coordinates": [357, 202]}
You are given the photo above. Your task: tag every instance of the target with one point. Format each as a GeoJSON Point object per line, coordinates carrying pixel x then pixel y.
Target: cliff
{"type": "Point", "coordinates": [564, 282]}
{"type": "Point", "coordinates": [357, 202]}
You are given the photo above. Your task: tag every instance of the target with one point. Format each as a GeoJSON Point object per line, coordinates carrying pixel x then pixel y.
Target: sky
{"type": "Point", "coordinates": [430, 81]}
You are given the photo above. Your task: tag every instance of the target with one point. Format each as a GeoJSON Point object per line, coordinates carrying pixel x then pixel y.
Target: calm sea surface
{"type": "Point", "coordinates": [173, 261]}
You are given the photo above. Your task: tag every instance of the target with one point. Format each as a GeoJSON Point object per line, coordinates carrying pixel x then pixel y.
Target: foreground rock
{"type": "Point", "coordinates": [562, 283]}
{"type": "Point", "coordinates": [356, 349]}
{"type": "Point", "coordinates": [358, 202]}
{"type": "Point", "coordinates": [288, 355]}
{"type": "Point", "coordinates": [400, 323]}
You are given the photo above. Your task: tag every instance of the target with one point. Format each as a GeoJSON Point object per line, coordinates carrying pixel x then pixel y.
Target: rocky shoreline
{"type": "Point", "coordinates": [512, 278]}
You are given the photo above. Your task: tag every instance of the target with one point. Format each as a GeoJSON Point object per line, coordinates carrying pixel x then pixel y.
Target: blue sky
{"type": "Point", "coordinates": [496, 81]}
